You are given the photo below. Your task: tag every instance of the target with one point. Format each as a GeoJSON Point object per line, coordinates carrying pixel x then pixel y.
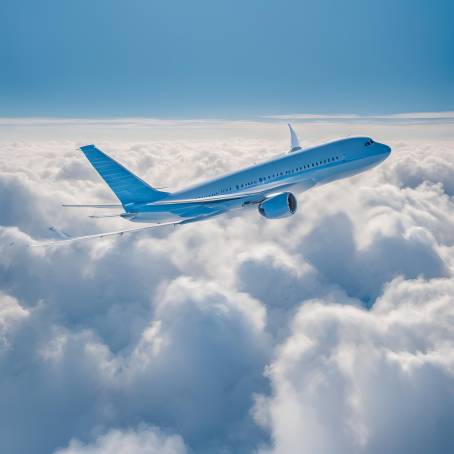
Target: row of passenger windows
{"type": "Point", "coordinates": [222, 191]}
{"type": "Point", "coordinates": [288, 172]}
{"type": "Point", "coordinates": [276, 175]}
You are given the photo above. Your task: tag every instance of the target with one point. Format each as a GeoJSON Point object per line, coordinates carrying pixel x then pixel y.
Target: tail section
{"type": "Point", "coordinates": [125, 185]}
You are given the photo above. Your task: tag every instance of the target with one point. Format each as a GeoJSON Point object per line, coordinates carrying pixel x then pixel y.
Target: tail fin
{"type": "Point", "coordinates": [125, 185]}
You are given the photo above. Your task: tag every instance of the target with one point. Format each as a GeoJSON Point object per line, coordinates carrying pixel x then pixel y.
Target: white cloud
{"type": "Point", "coordinates": [335, 322]}
{"type": "Point", "coordinates": [350, 380]}
{"type": "Point", "coordinates": [11, 314]}
{"type": "Point", "coordinates": [401, 118]}
{"type": "Point", "coordinates": [144, 441]}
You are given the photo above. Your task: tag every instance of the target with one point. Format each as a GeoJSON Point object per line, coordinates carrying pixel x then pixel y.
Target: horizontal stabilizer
{"type": "Point", "coordinates": [92, 206]}
{"type": "Point", "coordinates": [116, 215]}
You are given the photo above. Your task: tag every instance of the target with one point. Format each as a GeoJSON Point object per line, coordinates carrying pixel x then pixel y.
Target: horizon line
{"type": "Point", "coordinates": [396, 118]}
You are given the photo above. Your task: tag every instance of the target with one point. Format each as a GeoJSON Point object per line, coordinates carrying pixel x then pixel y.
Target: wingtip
{"type": "Point", "coordinates": [59, 232]}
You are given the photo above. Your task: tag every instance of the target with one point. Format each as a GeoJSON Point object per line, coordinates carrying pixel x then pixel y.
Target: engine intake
{"type": "Point", "coordinates": [278, 206]}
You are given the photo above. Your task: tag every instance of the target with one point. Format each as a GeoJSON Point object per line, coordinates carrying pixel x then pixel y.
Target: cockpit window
{"type": "Point", "coordinates": [369, 142]}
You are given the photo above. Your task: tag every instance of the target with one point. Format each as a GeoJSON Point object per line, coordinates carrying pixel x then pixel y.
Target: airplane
{"type": "Point", "coordinates": [265, 186]}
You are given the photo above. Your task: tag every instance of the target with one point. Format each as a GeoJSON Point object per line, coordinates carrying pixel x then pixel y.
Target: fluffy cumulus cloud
{"type": "Point", "coordinates": [329, 332]}
{"type": "Point", "coordinates": [352, 380]}
{"type": "Point", "coordinates": [144, 441]}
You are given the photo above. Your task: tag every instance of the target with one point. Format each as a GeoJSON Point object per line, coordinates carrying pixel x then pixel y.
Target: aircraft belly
{"type": "Point", "coordinates": [153, 217]}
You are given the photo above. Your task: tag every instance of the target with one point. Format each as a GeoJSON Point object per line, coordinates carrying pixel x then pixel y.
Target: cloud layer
{"type": "Point", "coordinates": [329, 332]}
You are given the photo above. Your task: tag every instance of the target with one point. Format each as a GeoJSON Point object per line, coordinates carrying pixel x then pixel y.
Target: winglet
{"type": "Point", "coordinates": [60, 233]}
{"type": "Point", "coordinates": [294, 142]}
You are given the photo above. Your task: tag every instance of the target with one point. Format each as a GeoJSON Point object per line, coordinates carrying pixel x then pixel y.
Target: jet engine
{"type": "Point", "coordinates": [278, 206]}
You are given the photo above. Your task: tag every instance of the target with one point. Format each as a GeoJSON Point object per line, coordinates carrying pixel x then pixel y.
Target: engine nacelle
{"type": "Point", "coordinates": [278, 206]}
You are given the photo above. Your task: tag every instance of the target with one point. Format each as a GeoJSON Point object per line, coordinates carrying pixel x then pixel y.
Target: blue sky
{"type": "Point", "coordinates": [180, 59]}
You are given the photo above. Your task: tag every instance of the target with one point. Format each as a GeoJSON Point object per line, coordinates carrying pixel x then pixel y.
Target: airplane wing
{"type": "Point", "coordinates": [259, 194]}
{"type": "Point", "coordinates": [211, 199]}
{"type": "Point", "coordinates": [69, 239]}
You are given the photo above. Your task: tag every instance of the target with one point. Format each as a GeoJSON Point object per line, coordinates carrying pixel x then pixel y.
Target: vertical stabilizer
{"type": "Point", "coordinates": [128, 187]}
